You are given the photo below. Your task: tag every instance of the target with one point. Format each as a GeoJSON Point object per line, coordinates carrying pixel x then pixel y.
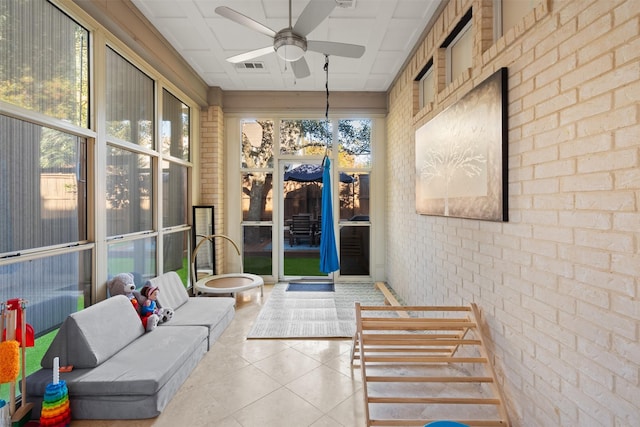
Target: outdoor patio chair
{"type": "Point", "coordinates": [317, 230]}
{"type": "Point", "coordinates": [300, 228]}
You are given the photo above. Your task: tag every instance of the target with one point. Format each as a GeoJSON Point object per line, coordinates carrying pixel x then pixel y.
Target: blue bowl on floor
{"type": "Point", "coordinates": [445, 424]}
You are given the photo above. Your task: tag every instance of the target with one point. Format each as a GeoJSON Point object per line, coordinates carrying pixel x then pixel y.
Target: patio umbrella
{"type": "Point", "coordinates": [312, 173]}
{"type": "Point", "coordinates": [328, 252]}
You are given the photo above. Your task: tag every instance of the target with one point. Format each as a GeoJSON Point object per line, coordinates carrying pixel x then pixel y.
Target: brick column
{"type": "Point", "coordinates": [212, 168]}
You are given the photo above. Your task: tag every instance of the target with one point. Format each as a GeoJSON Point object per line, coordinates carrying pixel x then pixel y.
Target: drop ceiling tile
{"type": "Point", "coordinates": [387, 28]}
{"type": "Point", "coordinates": [383, 61]}
{"type": "Point", "coordinates": [399, 35]}
{"type": "Point", "coordinates": [410, 9]}
{"type": "Point", "coordinates": [176, 29]}
{"type": "Point", "coordinates": [160, 9]}
{"type": "Point", "coordinates": [377, 82]}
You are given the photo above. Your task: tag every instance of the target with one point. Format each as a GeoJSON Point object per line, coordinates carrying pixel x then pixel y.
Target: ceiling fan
{"type": "Point", "coordinates": [291, 43]}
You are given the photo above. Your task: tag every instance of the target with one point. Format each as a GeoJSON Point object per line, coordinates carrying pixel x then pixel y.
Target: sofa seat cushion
{"type": "Point", "coordinates": [89, 337]}
{"type": "Point", "coordinates": [203, 311]}
{"type": "Point", "coordinates": [214, 313]}
{"type": "Point", "coordinates": [142, 368]}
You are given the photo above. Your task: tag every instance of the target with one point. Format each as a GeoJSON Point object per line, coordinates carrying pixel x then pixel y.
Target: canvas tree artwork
{"type": "Point", "coordinates": [460, 156]}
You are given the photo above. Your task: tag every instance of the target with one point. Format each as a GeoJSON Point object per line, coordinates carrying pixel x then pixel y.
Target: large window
{"type": "Point", "coordinates": [282, 182]}
{"type": "Point", "coordinates": [45, 252]}
{"type": "Point", "coordinates": [354, 143]}
{"type": "Point", "coordinates": [174, 131]}
{"type": "Point", "coordinates": [175, 140]}
{"type": "Point", "coordinates": [459, 48]}
{"type": "Point", "coordinates": [129, 192]}
{"type": "Point", "coordinates": [304, 137]}
{"type": "Point", "coordinates": [426, 86]}
{"type": "Point", "coordinates": [130, 172]}
{"type": "Point", "coordinates": [90, 186]}
{"type": "Point", "coordinates": [175, 208]}
{"type": "Point", "coordinates": [44, 57]}
{"type": "Point", "coordinates": [175, 146]}
{"type": "Point", "coordinates": [43, 170]}
{"type": "Point", "coordinates": [129, 103]}
{"type": "Point", "coordinates": [354, 147]}
{"type": "Point", "coordinates": [43, 198]}
{"type": "Point", "coordinates": [257, 161]}
{"type": "Point", "coordinates": [508, 13]}
{"type": "Point", "coordinates": [136, 256]}
{"type": "Point", "coordinates": [133, 161]}
{"type": "Point", "coordinates": [257, 144]}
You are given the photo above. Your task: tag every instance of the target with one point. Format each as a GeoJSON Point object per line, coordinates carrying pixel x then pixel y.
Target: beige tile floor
{"type": "Point", "coordinates": [263, 383]}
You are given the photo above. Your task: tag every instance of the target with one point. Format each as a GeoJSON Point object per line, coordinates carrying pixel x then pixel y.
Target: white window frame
{"type": "Point", "coordinates": [426, 89]}
{"type": "Point", "coordinates": [451, 50]}
{"type": "Point", "coordinates": [510, 10]}
{"type": "Point", "coordinates": [233, 204]}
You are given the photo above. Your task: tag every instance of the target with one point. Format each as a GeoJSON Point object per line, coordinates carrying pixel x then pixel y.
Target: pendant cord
{"type": "Point", "coordinates": [326, 112]}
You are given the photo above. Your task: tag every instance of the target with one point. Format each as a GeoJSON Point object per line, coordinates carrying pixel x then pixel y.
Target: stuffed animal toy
{"type": "Point", "coordinates": [123, 284]}
{"type": "Point", "coordinates": [150, 305]}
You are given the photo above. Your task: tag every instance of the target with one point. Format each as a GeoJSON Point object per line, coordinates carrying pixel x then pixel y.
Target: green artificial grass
{"type": "Point", "coordinates": [184, 271]}
{"type": "Point", "coordinates": [302, 267]}
{"type": "Point", "coordinates": [258, 265]}
{"type": "Point", "coordinates": [292, 266]}
{"type": "Point", "coordinates": [33, 356]}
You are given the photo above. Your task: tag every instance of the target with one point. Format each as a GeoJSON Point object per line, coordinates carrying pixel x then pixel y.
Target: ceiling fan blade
{"type": "Point", "coordinates": [244, 20]}
{"type": "Point", "coordinates": [313, 14]}
{"type": "Point", "coordinates": [250, 55]}
{"type": "Point", "coordinates": [300, 68]}
{"type": "Point", "coordinates": [334, 48]}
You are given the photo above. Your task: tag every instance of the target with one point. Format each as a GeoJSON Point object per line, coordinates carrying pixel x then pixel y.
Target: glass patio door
{"type": "Point", "coordinates": [301, 204]}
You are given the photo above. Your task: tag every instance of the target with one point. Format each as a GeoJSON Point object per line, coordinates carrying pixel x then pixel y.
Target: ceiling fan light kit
{"type": "Point", "coordinates": [289, 46]}
{"type": "Point", "coordinates": [291, 43]}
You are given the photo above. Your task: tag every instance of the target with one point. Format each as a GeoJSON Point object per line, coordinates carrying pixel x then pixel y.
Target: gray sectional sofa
{"type": "Point", "coordinates": [122, 372]}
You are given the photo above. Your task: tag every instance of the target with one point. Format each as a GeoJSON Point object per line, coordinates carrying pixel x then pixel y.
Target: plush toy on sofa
{"type": "Point", "coordinates": [123, 284]}
{"type": "Point", "coordinates": [150, 305]}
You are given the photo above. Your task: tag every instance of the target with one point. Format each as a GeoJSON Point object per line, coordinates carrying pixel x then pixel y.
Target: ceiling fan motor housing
{"type": "Point", "coordinates": [289, 45]}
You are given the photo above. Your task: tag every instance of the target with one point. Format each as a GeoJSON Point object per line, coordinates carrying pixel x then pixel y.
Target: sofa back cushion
{"type": "Point", "coordinates": [90, 336]}
{"type": "Point", "coordinates": [172, 292]}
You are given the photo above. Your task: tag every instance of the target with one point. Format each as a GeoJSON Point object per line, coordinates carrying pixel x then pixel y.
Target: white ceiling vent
{"type": "Point", "coordinates": [250, 66]}
{"type": "Point", "coordinates": [346, 4]}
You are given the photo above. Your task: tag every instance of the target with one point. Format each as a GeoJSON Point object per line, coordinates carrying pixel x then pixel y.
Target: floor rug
{"type": "Point", "coordinates": [313, 314]}
{"type": "Point", "coordinates": [310, 287]}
